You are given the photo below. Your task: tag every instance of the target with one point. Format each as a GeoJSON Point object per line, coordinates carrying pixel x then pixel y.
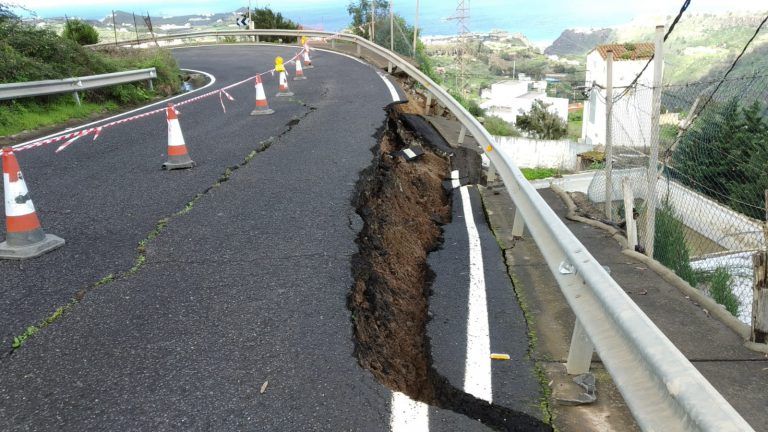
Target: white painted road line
{"type": "Point", "coordinates": [390, 86]}
{"type": "Point", "coordinates": [108, 119]}
{"type": "Point", "coordinates": [408, 415]}
{"type": "Point", "coordinates": [455, 179]}
{"type": "Point", "coordinates": [477, 374]}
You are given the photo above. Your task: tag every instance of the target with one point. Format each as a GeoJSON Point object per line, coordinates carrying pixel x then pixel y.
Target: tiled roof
{"type": "Point", "coordinates": [627, 51]}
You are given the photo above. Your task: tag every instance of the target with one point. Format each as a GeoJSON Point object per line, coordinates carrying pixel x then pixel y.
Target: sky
{"type": "Point", "coordinates": [539, 20]}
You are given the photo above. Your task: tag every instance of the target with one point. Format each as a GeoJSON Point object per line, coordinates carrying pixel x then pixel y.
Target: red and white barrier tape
{"type": "Point", "coordinates": [71, 137]}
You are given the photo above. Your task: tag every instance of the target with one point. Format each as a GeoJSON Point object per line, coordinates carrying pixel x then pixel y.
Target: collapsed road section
{"type": "Point", "coordinates": [403, 203]}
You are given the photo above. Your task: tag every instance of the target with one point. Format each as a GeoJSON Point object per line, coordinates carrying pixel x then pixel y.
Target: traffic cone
{"type": "Point", "coordinates": [284, 91]}
{"type": "Point", "coordinates": [307, 60]}
{"type": "Point", "coordinates": [262, 106]}
{"type": "Point", "coordinates": [25, 237]}
{"type": "Point", "coordinates": [299, 71]}
{"type": "Point", "coordinates": [178, 157]}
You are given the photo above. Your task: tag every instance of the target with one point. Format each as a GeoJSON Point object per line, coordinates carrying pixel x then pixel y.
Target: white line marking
{"type": "Point", "coordinates": [455, 179]}
{"type": "Point", "coordinates": [390, 86]}
{"type": "Point", "coordinates": [408, 415]}
{"type": "Point", "coordinates": [477, 375]}
{"type": "Point", "coordinates": [213, 81]}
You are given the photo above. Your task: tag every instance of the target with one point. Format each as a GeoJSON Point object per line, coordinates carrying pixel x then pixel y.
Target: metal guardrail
{"type": "Point", "coordinates": [661, 387]}
{"type": "Point", "coordinates": [74, 85]}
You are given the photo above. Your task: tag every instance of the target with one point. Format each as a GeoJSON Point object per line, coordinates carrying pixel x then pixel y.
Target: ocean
{"type": "Point", "coordinates": [540, 20]}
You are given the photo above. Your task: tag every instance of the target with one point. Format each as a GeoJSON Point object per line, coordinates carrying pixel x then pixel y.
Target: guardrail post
{"type": "Point", "coordinates": [429, 102]}
{"type": "Point", "coordinates": [150, 86]}
{"type": "Point", "coordinates": [518, 226]}
{"type": "Point", "coordinates": [462, 134]}
{"type": "Point", "coordinates": [258, 39]}
{"type": "Point", "coordinates": [580, 353]}
{"type": "Point", "coordinates": [358, 50]}
{"type": "Point", "coordinates": [389, 67]}
{"type": "Point", "coordinates": [333, 43]}
{"type": "Point", "coordinates": [77, 97]}
{"type": "Point", "coordinates": [629, 213]}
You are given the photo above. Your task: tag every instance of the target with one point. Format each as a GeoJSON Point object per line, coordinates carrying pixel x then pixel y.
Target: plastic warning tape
{"type": "Point", "coordinates": [70, 138]}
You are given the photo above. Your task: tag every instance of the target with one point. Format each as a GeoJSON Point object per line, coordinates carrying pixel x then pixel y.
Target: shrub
{"type": "Point", "coordinates": [720, 290]}
{"type": "Point", "coordinates": [500, 127]}
{"type": "Point", "coordinates": [80, 32]}
{"type": "Point", "coordinates": [670, 247]}
{"type": "Point", "coordinates": [542, 124]}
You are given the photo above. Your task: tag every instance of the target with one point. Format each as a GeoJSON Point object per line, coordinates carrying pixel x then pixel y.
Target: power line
{"type": "Point", "coordinates": [686, 3]}
{"type": "Point", "coordinates": [733, 65]}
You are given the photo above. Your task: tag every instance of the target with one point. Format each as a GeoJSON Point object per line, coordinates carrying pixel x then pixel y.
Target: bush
{"type": "Point", "coordinates": [670, 247]}
{"type": "Point", "coordinates": [720, 290]}
{"type": "Point", "coordinates": [542, 124]}
{"type": "Point", "coordinates": [500, 127]}
{"type": "Point", "coordinates": [469, 105]}
{"type": "Point", "coordinates": [80, 32]}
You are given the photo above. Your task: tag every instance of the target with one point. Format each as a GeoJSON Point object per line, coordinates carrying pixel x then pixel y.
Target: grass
{"type": "Point", "coordinates": [499, 127]}
{"type": "Point", "coordinates": [575, 120]}
{"type": "Point", "coordinates": [540, 173]}
{"type": "Point", "coordinates": [720, 290]}
{"type": "Point", "coordinates": [19, 117]}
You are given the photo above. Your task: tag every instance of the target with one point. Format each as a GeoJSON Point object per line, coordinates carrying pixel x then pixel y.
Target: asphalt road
{"type": "Point", "coordinates": [245, 291]}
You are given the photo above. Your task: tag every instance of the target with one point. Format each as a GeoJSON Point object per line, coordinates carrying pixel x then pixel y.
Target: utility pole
{"type": "Point", "coordinates": [609, 139]}
{"type": "Point", "coordinates": [114, 27]}
{"type": "Point", "coordinates": [391, 27]}
{"type": "Point", "coordinates": [462, 18]}
{"type": "Point", "coordinates": [416, 29]}
{"type": "Point", "coordinates": [653, 160]}
{"type": "Point", "coordinates": [373, 20]}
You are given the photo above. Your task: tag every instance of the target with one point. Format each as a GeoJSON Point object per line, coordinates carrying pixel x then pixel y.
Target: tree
{"type": "Point", "coordinates": [80, 32]}
{"type": "Point", "coordinates": [361, 16]}
{"type": "Point", "coordinates": [725, 156]}
{"type": "Point", "coordinates": [265, 18]}
{"type": "Point", "coordinates": [542, 124]}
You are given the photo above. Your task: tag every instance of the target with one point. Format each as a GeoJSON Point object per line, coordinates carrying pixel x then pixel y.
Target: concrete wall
{"type": "Point", "coordinates": [532, 153]}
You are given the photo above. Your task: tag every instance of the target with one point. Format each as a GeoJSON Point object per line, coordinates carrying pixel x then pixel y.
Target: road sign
{"type": "Point", "coordinates": [242, 21]}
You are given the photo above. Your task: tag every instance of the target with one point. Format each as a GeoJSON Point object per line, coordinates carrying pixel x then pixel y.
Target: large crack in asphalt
{"type": "Point", "coordinates": [141, 249]}
{"type": "Point", "coordinates": [403, 206]}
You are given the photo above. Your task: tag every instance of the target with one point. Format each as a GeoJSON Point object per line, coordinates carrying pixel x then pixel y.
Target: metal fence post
{"type": "Point", "coordinates": [77, 98]}
{"type": "Point", "coordinates": [150, 86]}
{"type": "Point", "coordinates": [653, 160]}
{"type": "Point", "coordinates": [629, 212]}
{"type": "Point", "coordinates": [609, 139]}
{"type": "Point", "coordinates": [462, 134]}
{"type": "Point", "coordinates": [580, 353]}
{"type": "Point", "coordinates": [518, 226]}
{"type": "Point", "coordinates": [760, 299]}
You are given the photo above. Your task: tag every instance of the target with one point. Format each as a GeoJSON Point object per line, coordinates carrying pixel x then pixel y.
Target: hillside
{"type": "Point", "coordinates": [700, 46]}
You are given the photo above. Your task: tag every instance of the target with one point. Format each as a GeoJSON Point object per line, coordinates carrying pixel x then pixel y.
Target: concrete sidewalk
{"type": "Point", "coordinates": [739, 374]}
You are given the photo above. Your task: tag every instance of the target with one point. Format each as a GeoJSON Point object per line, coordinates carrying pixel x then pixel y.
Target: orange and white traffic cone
{"type": "Point", "coordinates": [299, 71]}
{"type": "Point", "coordinates": [25, 237]}
{"type": "Point", "coordinates": [307, 60]}
{"type": "Point", "coordinates": [262, 106]}
{"type": "Point", "coordinates": [178, 157]}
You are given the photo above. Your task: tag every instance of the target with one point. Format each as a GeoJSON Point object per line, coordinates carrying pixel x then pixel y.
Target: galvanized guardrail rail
{"type": "Point", "coordinates": [662, 388]}
{"type": "Point", "coordinates": [75, 85]}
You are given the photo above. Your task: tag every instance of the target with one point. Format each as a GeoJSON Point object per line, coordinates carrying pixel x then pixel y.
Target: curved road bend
{"type": "Point", "coordinates": [246, 288]}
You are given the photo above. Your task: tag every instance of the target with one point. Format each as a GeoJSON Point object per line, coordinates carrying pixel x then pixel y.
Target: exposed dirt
{"type": "Point", "coordinates": [403, 205]}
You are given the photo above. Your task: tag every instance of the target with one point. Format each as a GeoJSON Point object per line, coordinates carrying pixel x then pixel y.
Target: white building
{"type": "Point", "coordinates": [508, 99]}
{"type": "Point", "coordinates": [632, 112]}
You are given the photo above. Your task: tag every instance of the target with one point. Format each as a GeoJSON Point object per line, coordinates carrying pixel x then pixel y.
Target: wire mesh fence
{"type": "Point", "coordinates": [709, 187]}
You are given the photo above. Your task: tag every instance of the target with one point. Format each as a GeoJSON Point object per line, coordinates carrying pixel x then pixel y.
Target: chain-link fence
{"type": "Point", "coordinates": [709, 188]}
